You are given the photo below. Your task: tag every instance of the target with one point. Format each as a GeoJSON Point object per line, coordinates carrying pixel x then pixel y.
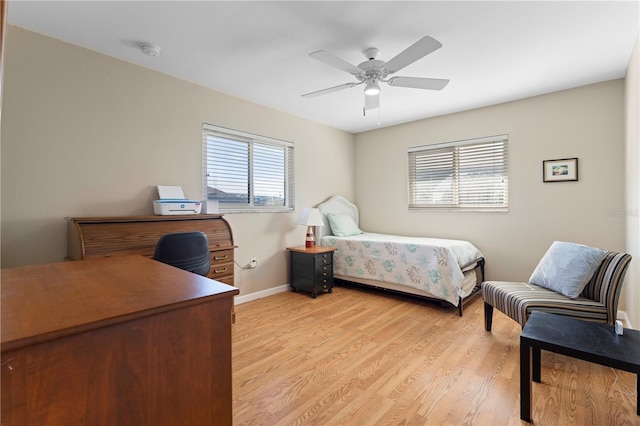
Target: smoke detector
{"type": "Point", "coordinates": [150, 49]}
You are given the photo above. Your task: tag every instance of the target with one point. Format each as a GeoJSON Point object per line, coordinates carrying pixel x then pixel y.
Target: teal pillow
{"type": "Point", "coordinates": [566, 268]}
{"type": "Point", "coordinates": [342, 225]}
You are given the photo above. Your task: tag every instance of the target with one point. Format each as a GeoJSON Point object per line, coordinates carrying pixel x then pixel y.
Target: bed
{"type": "Point", "coordinates": [449, 271]}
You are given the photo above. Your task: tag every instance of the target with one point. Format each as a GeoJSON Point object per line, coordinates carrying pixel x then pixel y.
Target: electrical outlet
{"type": "Point", "coordinates": [253, 263]}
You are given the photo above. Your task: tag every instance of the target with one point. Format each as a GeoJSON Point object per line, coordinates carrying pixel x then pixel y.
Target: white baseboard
{"type": "Point", "coordinates": [260, 294]}
{"type": "Point", "coordinates": [622, 316]}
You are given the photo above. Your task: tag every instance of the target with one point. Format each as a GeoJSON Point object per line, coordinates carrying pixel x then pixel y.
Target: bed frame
{"type": "Point", "coordinates": [414, 292]}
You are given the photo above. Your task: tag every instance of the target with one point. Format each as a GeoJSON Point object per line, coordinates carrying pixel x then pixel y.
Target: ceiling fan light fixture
{"type": "Point", "coordinates": [372, 88]}
{"type": "Point", "coordinates": [373, 71]}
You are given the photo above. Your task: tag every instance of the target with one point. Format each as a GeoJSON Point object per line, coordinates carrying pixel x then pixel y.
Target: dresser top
{"type": "Point", "coordinates": [312, 250]}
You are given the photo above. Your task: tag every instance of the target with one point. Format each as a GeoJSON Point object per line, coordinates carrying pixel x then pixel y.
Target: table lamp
{"type": "Point", "coordinates": [310, 217]}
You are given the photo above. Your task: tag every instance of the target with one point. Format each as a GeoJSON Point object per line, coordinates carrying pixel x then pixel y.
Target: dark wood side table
{"type": "Point", "coordinates": [588, 341]}
{"type": "Point", "coordinates": [311, 269]}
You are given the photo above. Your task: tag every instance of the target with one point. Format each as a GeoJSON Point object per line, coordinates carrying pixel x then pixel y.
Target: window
{"type": "Point", "coordinates": [464, 175]}
{"type": "Point", "coordinates": [246, 172]}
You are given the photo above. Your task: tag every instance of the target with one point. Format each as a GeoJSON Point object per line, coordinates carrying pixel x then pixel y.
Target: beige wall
{"type": "Point", "coordinates": [84, 134]}
{"type": "Point", "coordinates": [631, 291]}
{"type": "Point", "coordinates": [585, 122]}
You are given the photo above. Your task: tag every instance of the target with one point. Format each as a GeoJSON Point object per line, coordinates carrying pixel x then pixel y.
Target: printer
{"type": "Point", "coordinates": [173, 202]}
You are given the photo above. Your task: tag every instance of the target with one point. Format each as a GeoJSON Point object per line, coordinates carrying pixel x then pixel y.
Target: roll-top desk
{"type": "Point", "coordinates": [94, 237]}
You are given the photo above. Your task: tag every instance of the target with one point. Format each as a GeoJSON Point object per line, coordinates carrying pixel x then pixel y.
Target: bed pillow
{"type": "Point", "coordinates": [566, 268]}
{"type": "Point", "coordinates": [342, 225]}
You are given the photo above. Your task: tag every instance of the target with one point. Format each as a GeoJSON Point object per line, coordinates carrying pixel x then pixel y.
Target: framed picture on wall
{"type": "Point", "coordinates": [562, 170]}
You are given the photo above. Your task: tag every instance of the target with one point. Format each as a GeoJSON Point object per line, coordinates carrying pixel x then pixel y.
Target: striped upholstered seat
{"type": "Point", "coordinates": [598, 301]}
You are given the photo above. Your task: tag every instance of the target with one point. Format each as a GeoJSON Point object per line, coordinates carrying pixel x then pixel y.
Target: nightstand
{"type": "Point", "coordinates": [311, 269]}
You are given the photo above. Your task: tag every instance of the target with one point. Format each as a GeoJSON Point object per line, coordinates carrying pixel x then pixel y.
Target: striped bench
{"type": "Point", "coordinates": [598, 301]}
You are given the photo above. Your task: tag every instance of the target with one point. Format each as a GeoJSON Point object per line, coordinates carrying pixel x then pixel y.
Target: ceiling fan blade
{"type": "Point", "coordinates": [371, 102]}
{"type": "Point", "coordinates": [419, 83]}
{"type": "Point", "coordinates": [334, 61]}
{"type": "Point", "coordinates": [420, 48]}
{"type": "Point", "coordinates": [329, 90]}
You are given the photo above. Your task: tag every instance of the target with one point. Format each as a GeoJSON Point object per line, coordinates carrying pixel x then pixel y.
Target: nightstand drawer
{"type": "Point", "coordinates": [324, 258]}
{"type": "Point", "coordinates": [310, 261]}
{"type": "Point", "coordinates": [307, 283]}
{"type": "Point", "coordinates": [324, 271]}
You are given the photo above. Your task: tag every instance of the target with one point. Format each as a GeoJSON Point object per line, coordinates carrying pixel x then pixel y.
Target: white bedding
{"type": "Point", "coordinates": [428, 264]}
{"type": "Point", "coordinates": [438, 268]}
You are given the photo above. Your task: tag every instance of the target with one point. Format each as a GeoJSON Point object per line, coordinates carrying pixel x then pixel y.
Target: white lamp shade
{"type": "Point", "coordinates": [310, 217]}
{"type": "Point", "coordinates": [372, 88]}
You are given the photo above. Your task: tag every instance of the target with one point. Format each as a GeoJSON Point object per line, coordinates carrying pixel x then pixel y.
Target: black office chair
{"type": "Point", "coordinates": [185, 250]}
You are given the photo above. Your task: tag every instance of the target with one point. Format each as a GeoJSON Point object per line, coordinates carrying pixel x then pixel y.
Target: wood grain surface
{"type": "Point", "coordinates": [117, 341]}
{"type": "Point", "coordinates": [99, 237]}
{"type": "Point", "coordinates": [361, 357]}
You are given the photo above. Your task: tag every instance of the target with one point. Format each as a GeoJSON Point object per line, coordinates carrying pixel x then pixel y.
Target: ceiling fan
{"type": "Point", "coordinates": [373, 71]}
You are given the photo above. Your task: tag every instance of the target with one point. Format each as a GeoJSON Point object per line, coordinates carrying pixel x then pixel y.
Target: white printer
{"type": "Point", "coordinates": [173, 202]}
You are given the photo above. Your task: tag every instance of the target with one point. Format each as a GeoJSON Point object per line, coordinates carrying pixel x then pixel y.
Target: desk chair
{"type": "Point", "coordinates": [185, 250]}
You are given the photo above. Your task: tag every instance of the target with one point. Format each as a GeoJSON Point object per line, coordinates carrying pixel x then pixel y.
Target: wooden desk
{"type": "Point", "coordinates": [122, 340]}
{"type": "Point", "coordinates": [93, 237]}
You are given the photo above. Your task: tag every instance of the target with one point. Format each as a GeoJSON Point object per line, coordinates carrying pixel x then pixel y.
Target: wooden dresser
{"type": "Point", "coordinates": [114, 341]}
{"type": "Point", "coordinates": [94, 237]}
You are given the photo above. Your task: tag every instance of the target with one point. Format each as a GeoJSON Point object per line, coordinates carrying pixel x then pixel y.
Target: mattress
{"type": "Point", "coordinates": [433, 265]}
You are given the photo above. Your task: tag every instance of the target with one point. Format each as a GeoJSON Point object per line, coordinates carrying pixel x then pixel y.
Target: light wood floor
{"type": "Point", "coordinates": [359, 357]}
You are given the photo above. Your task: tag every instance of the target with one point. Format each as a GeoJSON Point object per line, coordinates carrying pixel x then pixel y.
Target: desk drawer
{"type": "Point", "coordinates": [219, 257]}
{"type": "Point", "coordinates": [221, 264]}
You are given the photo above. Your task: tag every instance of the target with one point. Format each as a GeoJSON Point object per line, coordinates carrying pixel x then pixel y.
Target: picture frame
{"type": "Point", "coordinates": [561, 170]}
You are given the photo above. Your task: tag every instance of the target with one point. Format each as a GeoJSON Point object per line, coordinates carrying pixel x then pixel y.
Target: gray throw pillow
{"type": "Point", "coordinates": [566, 268]}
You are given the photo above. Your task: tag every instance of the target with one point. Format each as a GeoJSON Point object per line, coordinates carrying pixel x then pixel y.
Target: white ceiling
{"type": "Point", "coordinates": [492, 52]}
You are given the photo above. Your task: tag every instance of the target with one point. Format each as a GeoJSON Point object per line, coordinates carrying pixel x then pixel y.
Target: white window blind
{"type": "Point", "coordinates": [246, 172]}
{"type": "Point", "coordinates": [463, 175]}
